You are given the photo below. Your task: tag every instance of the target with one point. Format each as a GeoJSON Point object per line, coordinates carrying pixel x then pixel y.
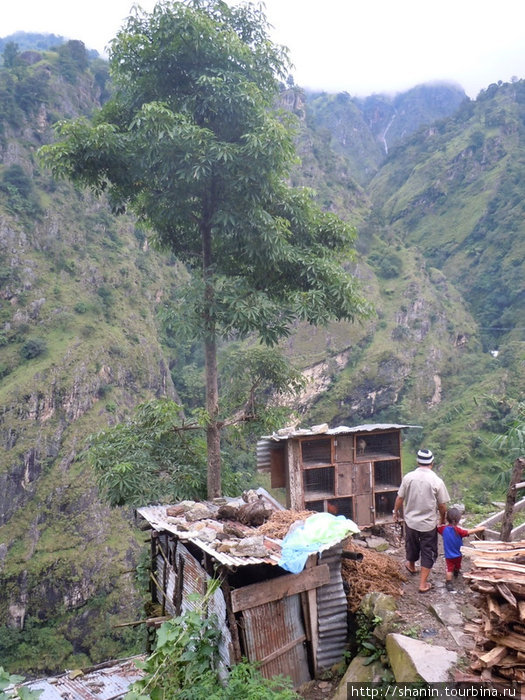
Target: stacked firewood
{"type": "Point", "coordinates": [497, 574]}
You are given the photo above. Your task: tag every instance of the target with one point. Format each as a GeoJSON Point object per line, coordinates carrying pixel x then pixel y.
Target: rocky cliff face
{"type": "Point", "coordinates": [79, 342]}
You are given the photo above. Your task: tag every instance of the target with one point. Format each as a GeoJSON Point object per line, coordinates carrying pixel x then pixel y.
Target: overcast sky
{"type": "Point", "coordinates": [358, 46]}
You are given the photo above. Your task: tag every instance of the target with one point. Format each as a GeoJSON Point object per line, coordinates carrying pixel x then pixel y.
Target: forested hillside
{"type": "Point", "coordinates": [440, 223]}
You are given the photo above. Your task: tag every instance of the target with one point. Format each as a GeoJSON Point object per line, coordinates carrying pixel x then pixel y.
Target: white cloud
{"type": "Point", "coordinates": [361, 46]}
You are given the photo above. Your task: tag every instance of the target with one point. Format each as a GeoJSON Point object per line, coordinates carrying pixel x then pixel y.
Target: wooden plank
{"type": "Point", "coordinates": [313, 621]}
{"type": "Point", "coordinates": [496, 545]}
{"type": "Point", "coordinates": [506, 566]}
{"type": "Point", "coordinates": [278, 468]}
{"type": "Point", "coordinates": [506, 521]}
{"type": "Point", "coordinates": [344, 448]}
{"type": "Point", "coordinates": [282, 650]}
{"type": "Point", "coordinates": [494, 656]}
{"type": "Point", "coordinates": [521, 609]}
{"type": "Point", "coordinates": [496, 555]}
{"type": "Point", "coordinates": [494, 608]}
{"type": "Point", "coordinates": [512, 640]}
{"type": "Point", "coordinates": [344, 472]}
{"type": "Point", "coordinates": [506, 593]}
{"type": "Point", "coordinates": [267, 591]}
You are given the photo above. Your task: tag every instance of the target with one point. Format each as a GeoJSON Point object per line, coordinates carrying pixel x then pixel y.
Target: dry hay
{"type": "Point", "coordinates": [375, 572]}
{"type": "Point", "coordinates": [280, 520]}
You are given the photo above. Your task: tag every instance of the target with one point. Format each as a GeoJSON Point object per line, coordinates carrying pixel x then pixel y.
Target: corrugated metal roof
{"type": "Point", "coordinates": [158, 519]}
{"type": "Point", "coordinates": [109, 681]}
{"type": "Point", "coordinates": [286, 433]}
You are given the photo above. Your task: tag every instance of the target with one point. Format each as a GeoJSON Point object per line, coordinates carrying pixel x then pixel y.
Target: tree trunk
{"type": "Point", "coordinates": [213, 437]}
{"type": "Point", "coordinates": [506, 523]}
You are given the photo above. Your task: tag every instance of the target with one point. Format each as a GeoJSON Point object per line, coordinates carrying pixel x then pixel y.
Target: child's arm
{"type": "Point", "coordinates": [474, 530]}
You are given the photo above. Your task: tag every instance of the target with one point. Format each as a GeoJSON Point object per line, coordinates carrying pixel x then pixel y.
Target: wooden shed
{"type": "Point", "coordinates": [350, 471]}
{"type": "Point", "coordinates": [291, 624]}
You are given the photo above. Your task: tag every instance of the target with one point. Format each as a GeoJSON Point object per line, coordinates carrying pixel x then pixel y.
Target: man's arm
{"type": "Point", "coordinates": [398, 507]}
{"type": "Point", "coordinates": [442, 508]}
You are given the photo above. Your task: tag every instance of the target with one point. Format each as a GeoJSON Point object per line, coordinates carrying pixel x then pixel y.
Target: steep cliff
{"type": "Point", "coordinates": [80, 348]}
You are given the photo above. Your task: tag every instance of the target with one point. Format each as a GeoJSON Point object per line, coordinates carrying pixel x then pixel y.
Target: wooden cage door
{"type": "Point", "coordinates": [363, 495]}
{"type": "Point", "coordinates": [344, 448]}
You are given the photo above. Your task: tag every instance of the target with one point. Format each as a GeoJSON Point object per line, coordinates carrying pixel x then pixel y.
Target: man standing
{"type": "Point", "coordinates": [421, 496]}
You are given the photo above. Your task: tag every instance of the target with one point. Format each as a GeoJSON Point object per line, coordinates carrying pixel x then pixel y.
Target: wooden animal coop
{"type": "Point", "coordinates": [354, 472]}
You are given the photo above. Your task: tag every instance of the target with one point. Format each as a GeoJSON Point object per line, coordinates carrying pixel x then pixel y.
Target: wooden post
{"type": "Point", "coordinates": [506, 523]}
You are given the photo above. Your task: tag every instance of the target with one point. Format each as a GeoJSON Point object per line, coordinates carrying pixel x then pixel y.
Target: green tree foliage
{"type": "Point", "coordinates": [192, 144]}
{"type": "Point", "coordinates": [10, 53]}
{"type": "Point", "coordinates": [33, 347]}
{"type": "Point", "coordinates": [72, 59]}
{"type": "Point", "coordinates": [147, 459]}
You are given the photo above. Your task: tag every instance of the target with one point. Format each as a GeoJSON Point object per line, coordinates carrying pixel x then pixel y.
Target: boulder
{"type": "Point", "coordinates": [413, 661]}
{"type": "Point", "coordinates": [381, 607]}
{"type": "Point", "coordinates": [199, 511]}
{"type": "Point", "coordinates": [360, 670]}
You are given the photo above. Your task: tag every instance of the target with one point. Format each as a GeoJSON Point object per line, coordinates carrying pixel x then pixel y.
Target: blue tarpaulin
{"type": "Point", "coordinates": [312, 534]}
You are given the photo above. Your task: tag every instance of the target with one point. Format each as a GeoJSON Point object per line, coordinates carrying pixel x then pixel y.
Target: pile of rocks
{"type": "Point", "coordinates": [227, 527]}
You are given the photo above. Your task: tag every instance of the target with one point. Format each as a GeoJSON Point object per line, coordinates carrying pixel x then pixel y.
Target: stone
{"type": "Point", "coordinates": [447, 613]}
{"type": "Point", "coordinates": [383, 607]}
{"type": "Point", "coordinates": [359, 671]}
{"type": "Point", "coordinates": [251, 547]}
{"type": "Point", "coordinates": [206, 535]}
{"type": "Point", "coordinates": [379, 544]}
{"type": "Point", "coordinates": [198, 511]}
{"type": "Point", "coordinates": [413, 661]}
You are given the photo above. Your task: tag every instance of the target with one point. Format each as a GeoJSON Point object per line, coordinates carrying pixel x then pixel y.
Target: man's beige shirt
{"type": "Point", "coordinates": [422, 491]}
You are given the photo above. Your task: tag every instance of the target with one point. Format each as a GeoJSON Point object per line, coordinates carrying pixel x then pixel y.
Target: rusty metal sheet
{"type": "Point", "coordinates": [195, 580]}
{"type": "Point", "coordinates": [107, 682]}
{"type": "Point", "coordinates": [274, 635]}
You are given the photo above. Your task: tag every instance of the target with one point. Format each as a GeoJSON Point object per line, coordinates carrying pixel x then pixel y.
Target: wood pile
{"type": "Point", "coordinates": [497, 574]}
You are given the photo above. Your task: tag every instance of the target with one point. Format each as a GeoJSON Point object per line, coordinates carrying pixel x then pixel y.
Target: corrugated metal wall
{"type": "Point", "coordinates": [332, 612]}
{"type": "Point", "coordinates": [194, 580]}
{"type": "Point", "coordinates": [274, 636]}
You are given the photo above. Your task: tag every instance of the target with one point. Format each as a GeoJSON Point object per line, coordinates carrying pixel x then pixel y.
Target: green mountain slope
{"type": "Point", "coordinates": [79, 348]}
{"type": "Point", "coordinates": [455, 191]}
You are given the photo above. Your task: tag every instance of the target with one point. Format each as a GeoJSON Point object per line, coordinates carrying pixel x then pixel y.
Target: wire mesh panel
{"type": "Point", "coordinates": [384, 504]}
{"type": "Point", "coordinates": [340, 506]}
{"type": "Point", "coordinates": [316, 451]}
{"type": "Point", "coordinates": [373, 446]}
{"type": "Point", "coordinates": [387, 473]}
{"type": "Point", "coordinates": [319, 481]}
{"type": "Point", "coordinates": [318, 506]}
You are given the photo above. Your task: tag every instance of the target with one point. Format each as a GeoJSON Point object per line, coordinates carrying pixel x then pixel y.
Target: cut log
{"type": "Point", "coordinates": [506, 593]}
{"type": "Point", "coordinates": [494, 656]}
{"type": "Point", "coordinates": [511, 640]}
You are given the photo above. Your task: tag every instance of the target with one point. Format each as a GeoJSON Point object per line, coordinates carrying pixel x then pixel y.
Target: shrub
{"type": "Point", "coordinates": [33, 347]}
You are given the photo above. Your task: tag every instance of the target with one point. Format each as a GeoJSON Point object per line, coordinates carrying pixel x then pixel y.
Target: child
{"type": "Point", "coordinates": [452, 540]}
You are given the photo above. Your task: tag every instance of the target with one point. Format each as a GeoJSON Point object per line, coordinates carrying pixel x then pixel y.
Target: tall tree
{"type": "Point", "coordinates": [193, 144]}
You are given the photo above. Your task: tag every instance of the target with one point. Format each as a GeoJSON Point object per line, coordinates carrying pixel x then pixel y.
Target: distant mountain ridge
{"type": "Point", "coordinates": [364, 130]}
